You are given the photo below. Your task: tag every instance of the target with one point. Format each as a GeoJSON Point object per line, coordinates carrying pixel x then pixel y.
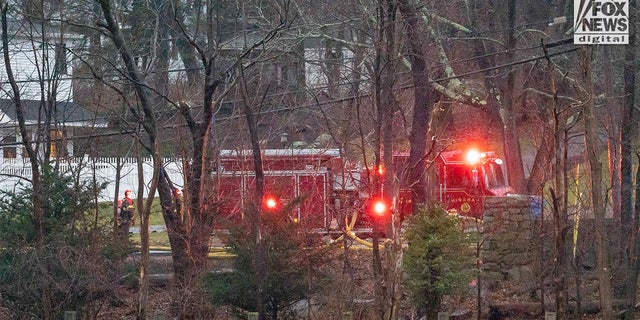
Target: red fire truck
{"type": "Point", "coordinates": [318, 189]}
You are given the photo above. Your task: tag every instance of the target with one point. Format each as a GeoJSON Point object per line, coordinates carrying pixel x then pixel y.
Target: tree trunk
{"type": "Point", "coordinates": [28, 145]}
{"type": "Point", "coordinates": [423, 99]}
{"type": "Point", "coordinates": [631, 291]}
{"type": "Point", "coordinates": [179, 241]}
{"type": "Point", "coordinates": [559, 200]}
{"type": "Point", "coordinates": [500, 91]}
{"type": "Point", "coordinates": [512, 152]}
{"type": "Point", "coordinates": [384, 104]}
{"type": "Point", "coordinates": [116, 197]}
{"type": "Point", "coordinates": [540, 171]}
{"type": "Point", "coordinates": [144, 215]}
{"type": "Point", "coordinates": [612, 128]}
{"type": "Point", "coordinates": [613, 133]}
{"type": "Point", "coordinates": [148, 122]}
{"type": "Point", "coordinates": [27, 142]}
{"type": "Point", "coordinates": [595, 166]}
{"type": "Point", "coordinates": [255, 221]}
{"type": "Point", "coordinates": [628, 133]}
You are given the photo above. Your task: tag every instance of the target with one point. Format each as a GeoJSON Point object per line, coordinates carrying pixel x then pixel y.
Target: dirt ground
{"type": "Point", "coordinates": [506, 300]}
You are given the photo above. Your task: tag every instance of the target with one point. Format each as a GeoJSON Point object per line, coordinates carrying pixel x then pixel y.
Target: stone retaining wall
{"type": "Point", "coordinates": [509, 231]}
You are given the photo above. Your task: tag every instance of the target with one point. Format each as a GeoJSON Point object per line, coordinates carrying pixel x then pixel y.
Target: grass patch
{"type": "Point", "coordinates": [106, 212]}
{"type": "Point", "coordinates": [156, 239]}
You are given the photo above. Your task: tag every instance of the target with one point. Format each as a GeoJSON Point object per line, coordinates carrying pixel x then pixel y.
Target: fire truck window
{"type": "Point", "coordinates": [459, 177]}
{"type": "Point", "coordinates": [494, 176]}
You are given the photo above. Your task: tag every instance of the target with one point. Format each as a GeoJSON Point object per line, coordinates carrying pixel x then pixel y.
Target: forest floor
{"type": "Point", "coordinates": [504, 300]}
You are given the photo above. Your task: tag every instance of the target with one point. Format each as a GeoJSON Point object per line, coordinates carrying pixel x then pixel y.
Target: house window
{"type": "Point", "coordinates": [58, 144]}
{"type": "Point", "coordinates": [61, 58]}
{"type": "Point", "coordinates": [9, 147]}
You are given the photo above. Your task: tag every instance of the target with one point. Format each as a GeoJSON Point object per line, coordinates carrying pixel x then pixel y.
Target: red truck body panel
{"type": "Point", "coordinates": [301, 180]}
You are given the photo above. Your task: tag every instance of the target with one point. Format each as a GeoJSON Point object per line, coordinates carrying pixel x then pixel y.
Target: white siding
{"type": "Point", "coordinates": [29, 67]}
{"type": "Point", "coordinates": [315, 66]}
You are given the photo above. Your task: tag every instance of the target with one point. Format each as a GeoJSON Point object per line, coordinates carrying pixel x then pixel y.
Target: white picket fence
{"type": "Point", "coordinates": [14, 172]}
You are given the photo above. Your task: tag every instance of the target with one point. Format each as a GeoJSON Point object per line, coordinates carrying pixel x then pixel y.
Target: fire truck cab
{"type": "Point", "coordinates": [463, 179]}
{"type": "Point", "coordinates": [466, 177]}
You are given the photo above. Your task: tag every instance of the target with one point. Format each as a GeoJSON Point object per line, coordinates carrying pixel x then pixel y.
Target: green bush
{"type": "Point", "coordinates": [287, 265]}
{"type": "Point", "coordinates": [66, 205]}
{"type": "Point", "coordinates": [438, 259]}
{"type": "Point", "coordinates": [77, 265]}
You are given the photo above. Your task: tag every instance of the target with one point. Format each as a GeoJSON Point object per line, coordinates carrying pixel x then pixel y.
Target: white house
{"type": "Point", "coordinates": [42, 67]}
{"type": "Point", "coordinates": [69, 116]}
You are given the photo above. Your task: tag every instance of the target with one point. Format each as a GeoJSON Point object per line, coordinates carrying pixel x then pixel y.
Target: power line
{"type": "Point", "coordinates": [463, 75]}
{"type": "Point", "coordinates": [348, 98]}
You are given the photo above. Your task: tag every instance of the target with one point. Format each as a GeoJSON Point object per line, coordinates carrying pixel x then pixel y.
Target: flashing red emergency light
{"type": "Point", "coordinates": [474, 157]}
{"type": "Point", "coordinates": [270, 203]}
{"type": "Point", "coordinates": [379, 207]}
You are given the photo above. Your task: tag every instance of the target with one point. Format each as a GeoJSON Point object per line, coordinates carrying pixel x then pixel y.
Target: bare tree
{"type": "Point", "coordinates": [189, 227]}
{"type": "Point", "coordinates": [149, 123]}
{"type": "Point", "coordinates": [424, 98]}
{"type": "Point", "coordinates": [595, 166]}
{"type": "Point", "coordinates": [38, 210]}
{"type": "Point", "coordinates": [500, 90]}
{"type": "Point", "coordinates": [630, 220]}
{"type": "Point", "coordinates": [558, 112]}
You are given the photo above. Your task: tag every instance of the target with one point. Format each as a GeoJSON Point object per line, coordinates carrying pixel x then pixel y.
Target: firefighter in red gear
{"type": "Point", "coordinates": [126, 214]}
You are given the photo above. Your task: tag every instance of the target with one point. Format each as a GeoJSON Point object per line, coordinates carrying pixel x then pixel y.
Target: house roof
{"type": "Point", "coordinates": [68, 114]}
